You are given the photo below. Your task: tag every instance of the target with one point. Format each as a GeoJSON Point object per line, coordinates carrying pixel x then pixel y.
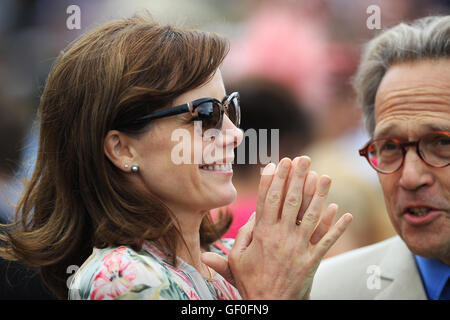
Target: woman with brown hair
{"type": "Point", "coordinates": [109, 192]}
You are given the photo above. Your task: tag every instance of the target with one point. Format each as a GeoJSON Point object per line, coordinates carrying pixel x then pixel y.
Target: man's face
{"type": "Point", "coordinates": [412, 100]}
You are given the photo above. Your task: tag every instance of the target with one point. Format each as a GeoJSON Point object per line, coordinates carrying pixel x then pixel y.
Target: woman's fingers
{"type": "Point", "coordinates": [264, 184]}
{"type": "Point", "coordinates": [275, 193]}
{"type": "Point", "coordinates": [285, 256]}
{"type": "Point", "coordinates": [308, 192]}
{"type": "Point", "coordinates": [294, 194]}
{"type": "Point", "coordinates": [312, 215]}
{"type": "Point", "coordinates": [244, 235]}
{"type": "Point", "coordinates": [324, 224]}
{"type": "Point", "coordinates": [331, 236]}
{"type": "Point", "coordinates": [218, 264]}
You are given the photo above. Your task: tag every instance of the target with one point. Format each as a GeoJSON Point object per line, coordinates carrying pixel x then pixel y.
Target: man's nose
{"type": "Point", "coordinates": [415, 173]}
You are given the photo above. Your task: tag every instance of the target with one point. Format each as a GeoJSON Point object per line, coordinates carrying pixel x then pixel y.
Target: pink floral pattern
{"type": "Point", "coordinates": [122, 273]}
{"type": "Point", "coordinates": [116, 276]}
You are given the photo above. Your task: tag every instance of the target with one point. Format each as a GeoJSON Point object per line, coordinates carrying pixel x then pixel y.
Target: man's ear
{"type": "Point", "coordinates": [118, 149]}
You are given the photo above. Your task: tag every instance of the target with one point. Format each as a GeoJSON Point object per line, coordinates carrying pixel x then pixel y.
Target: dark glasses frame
{"type": "Point", "coordinates": [364, 151]}
{"type": "Point", "coordinates": [192, 106]}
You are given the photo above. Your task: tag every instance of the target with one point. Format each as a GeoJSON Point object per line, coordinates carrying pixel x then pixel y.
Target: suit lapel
{"type": "Point", "coordinates": [399, 268]}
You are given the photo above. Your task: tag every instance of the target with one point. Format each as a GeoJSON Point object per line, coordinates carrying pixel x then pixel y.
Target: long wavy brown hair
{"type": "Point", "coordinates": [76, 198]}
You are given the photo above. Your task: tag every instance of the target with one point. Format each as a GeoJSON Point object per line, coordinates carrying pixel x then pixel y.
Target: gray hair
{"type": "Point", "coordinates": [425, 38]}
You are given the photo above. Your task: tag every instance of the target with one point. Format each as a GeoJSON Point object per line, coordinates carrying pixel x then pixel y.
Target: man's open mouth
{"type": "Point", "coordinates": [419, 211]}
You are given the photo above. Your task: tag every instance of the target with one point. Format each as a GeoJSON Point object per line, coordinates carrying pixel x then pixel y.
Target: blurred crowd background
{"type": "Point", "coordinates": [291, 60]}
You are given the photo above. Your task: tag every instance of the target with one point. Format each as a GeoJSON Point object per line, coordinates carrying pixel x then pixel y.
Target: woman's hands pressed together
{"type": "Point", "coordinates": [276, 254]}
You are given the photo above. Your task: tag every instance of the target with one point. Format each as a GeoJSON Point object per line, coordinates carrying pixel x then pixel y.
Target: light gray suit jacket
{"type": "Point", "coordinates": [385, 270]}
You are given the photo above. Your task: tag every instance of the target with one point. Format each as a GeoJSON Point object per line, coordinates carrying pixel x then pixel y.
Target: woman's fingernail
{"type": "Point", "coordinates": [286, 164]}
{"type": "Point", "coordinates": [325, 181]}
{"type": "Point", "coordinates": [304, 164]}
{"type": "Point", "coordinates": [269, 169]}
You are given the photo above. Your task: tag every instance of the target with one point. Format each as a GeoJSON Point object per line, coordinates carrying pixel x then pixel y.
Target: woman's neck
{"type": "Point", "coordinates": [190, 249]}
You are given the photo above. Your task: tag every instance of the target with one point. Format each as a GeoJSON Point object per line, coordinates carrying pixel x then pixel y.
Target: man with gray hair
{"type": "Point", "coordinates": [403, 85]}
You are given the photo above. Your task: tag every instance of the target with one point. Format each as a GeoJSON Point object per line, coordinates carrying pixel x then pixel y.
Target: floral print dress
{"type": "Point", "coordinates": [122, 273]}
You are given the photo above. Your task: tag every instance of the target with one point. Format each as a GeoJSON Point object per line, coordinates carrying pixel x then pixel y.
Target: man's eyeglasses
{"type": "Point", "coordinates": [387, 155]}
{"type": "Point", "coordinates": [207, 110]}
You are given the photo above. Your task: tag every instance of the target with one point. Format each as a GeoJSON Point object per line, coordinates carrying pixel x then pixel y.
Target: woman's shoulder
{"type": "Point", "coordinates": [123, 273]}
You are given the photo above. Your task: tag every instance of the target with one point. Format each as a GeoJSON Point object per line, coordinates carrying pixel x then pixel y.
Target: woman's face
{"type": "Point", "coordinates": [189, 185]}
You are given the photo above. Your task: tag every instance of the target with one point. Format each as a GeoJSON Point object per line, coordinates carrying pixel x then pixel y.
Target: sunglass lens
{"type": "Point", "coordinates": [234, 111]}
{"type": "Point", "coordinates": [209, 114]}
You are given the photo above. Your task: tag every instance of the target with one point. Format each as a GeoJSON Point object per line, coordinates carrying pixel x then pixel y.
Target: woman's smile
{"type": "Point", "coordinates": [224, 169]}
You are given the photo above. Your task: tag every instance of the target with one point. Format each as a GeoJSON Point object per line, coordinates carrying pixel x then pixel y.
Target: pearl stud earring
{"type": "Point", "coordinates": [134, 168]}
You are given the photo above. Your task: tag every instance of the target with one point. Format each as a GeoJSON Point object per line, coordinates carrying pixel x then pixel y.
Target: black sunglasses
{"type": "Point", "coordinates": [207, 110]}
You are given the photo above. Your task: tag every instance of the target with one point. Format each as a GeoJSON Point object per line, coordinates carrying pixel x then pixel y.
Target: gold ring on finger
{"type": "Point", "coordinates": [298, 222]}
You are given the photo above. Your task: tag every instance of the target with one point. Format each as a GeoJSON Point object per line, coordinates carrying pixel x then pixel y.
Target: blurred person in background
{"type": "Point", "coordinates": [403, 85]}
{"type": "Point", "coordinates": [17, 281]}
{"type": "Point", "coordinates": [333, 152]}
{"type": "Point", "coordinates": [14, 123]}
{"type": "Point", "coordinates": [293, 45]}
